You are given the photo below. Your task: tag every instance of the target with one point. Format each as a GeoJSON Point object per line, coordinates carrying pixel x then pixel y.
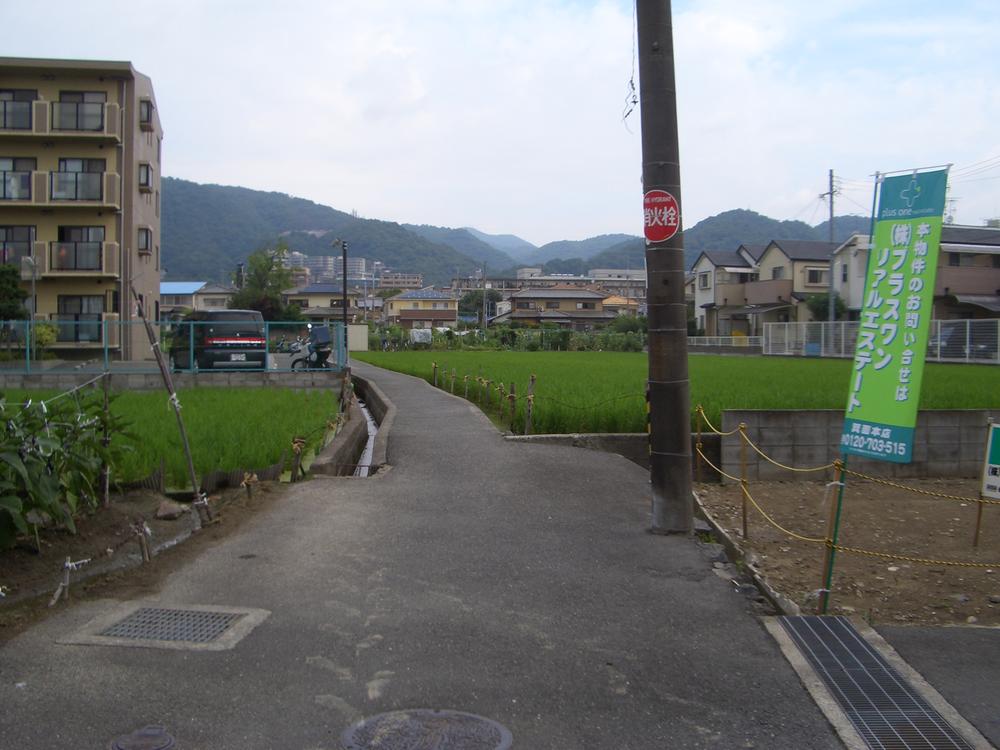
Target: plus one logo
{"type": "Point", "coordinates": [661, 215]}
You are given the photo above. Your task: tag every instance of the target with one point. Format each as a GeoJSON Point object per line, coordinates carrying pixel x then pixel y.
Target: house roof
{"type": "Point", "coordinates": [180, 287]}
{"type": "Point", "coordinates": [725, 258]}
{"type": "Point", "coordinates": [216, 289]}
{"type": "Point", "coordinates": [426, 293]}
{"type": "Point", "coordinates": [805, 249]}
{"type": "Point", "coordinates": [317, 289]}
{"type": "Point", "coordinates": [754, 251]}
{"type": "Point", "coordinates": [535, 293]}
{"type": "Point", "coordinates": [963, 235]}
{"type": "Point", "coordinates": [618, 301]}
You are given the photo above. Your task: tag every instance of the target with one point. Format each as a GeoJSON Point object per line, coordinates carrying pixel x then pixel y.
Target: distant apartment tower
{"type": "Point", "coordinates": [389, 280]}
{"type": "Point", "coordinates": [80, 197]}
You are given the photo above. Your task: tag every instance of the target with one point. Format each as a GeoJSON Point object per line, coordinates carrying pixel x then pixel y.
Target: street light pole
{"type": "Point", "coordinates": [343, 250]}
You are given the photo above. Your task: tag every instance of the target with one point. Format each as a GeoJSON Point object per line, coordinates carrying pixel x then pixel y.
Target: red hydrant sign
{"type": "Point", "coordinates": [661, 215]}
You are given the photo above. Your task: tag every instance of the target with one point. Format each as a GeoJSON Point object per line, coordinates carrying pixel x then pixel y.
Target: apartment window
{"type": "Point", "coordinates": [15, 108]}
{"type": "Point", "coordinates": [78, 249]}
{"type": "Point", "coordinates": [15, 243]}
{"type": "Point", "coordinates": [961, 259]}
{"type": "Point", "coordinates": [146, 116]}
{"type": "Point", "coordinates": [778, 272]}
{"type": "Point", "coordinates": [145, 243]}
{"type": "Point", "coordinates": [79, 317]}
{"type": "Point", "coordinates": [78, 180]}
{"type": "Point", "coordinates": [145, 177]}
{"type": "Point", "coordinates": [79, 110]}
{"type": "Point", "coordinates": [815, 276]}
{"type": "Point", "coordinates": [843, 273]}
{"type": "Point", "coordinates": [586, 306]}
{"type": "Point", "coordinates": [704, 281]}
{"type": "Point", "coordinates": [15, 178]}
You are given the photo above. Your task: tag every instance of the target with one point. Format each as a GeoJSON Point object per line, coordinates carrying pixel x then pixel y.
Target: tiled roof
{"type": "Point", "coordinates": [557, 294]}
{"type": "Point", "coordinates": [755, 251]}
{"type": "Point", "coordinates": [423, 294]}
{"type": "Point", "coordinates": [806, 249]}
{"type": "Point", "coordinates": [970, 235]}
{"type": "Point", "coordinates": [725, 258]}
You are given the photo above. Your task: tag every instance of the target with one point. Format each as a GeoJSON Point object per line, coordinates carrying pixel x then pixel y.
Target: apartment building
{"type": "Point", "coordinates": [80, 151]}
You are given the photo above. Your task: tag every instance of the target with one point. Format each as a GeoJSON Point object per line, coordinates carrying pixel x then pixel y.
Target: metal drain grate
{"type": "Point", "coordinates": [885, 710]}
{"type": "Point", "coordinates": [192, 626]}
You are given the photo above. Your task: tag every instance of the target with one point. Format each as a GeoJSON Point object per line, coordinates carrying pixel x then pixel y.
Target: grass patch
{"type": "Point", "coordinates": [227, 428]}
{"type": "Point", "coordinates": [605, 391]}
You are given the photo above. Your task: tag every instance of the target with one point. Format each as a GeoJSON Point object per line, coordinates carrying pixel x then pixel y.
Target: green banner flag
{"type": "Point", "coordinates": [895, 318]}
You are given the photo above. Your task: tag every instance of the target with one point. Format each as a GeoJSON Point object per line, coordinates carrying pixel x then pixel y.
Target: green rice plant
{"type": "Point", "coordinates": [227, 428]}
{"type": "Point", "coordinates": [605, 391]}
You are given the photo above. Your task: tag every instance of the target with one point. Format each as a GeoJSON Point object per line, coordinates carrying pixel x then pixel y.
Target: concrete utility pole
{"type": "Point", "coordinates": [343, 250]}
{"type": "Point", "coordinates": [485, 321]}
{"type": "Point", "coordinates": [830, 308]}
{"type": "Point", "coordinates": [669, 391]}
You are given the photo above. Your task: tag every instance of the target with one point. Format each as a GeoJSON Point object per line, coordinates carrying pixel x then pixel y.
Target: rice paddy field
{"type": "Point", "coordinates": [605, 391]}
{"type": "Point", "coordinates": [227, 428]}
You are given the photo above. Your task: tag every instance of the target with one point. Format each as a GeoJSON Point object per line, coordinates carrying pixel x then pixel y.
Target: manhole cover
{"type": "Point", "coordinates": [426, 729]}
{"type": "Point", "coordinates": [193, 626]}
{"type": "Point", "coordinates": [147, 738]}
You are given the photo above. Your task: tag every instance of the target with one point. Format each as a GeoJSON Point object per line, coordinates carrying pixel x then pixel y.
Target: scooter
{"type": "Point", "coordinates": [319, 349]}
{"type": "Point", "coordinates": [288, 347]}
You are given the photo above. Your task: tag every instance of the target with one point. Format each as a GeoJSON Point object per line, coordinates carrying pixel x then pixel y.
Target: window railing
{"type": "Point", "coordinates": [75, 256]}
{"type": "Point", "coordinates": [13, 251]}
{"type": "Point", "coordinates": [15, 115]}
{"type": "Point", "coordinates": [87, 116]}
{"type": "Point", "coordinates": [15, 186]}
{"type": "Point", "coordinates": [77, 186]}
{"type": "Point", "coordinates": [80, 328]}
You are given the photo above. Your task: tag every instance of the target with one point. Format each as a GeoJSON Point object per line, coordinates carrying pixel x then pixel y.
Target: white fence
{"type": "Point", "coordinates": [742, 342]}
{"type": "Point", "coordinates": [972, 341]}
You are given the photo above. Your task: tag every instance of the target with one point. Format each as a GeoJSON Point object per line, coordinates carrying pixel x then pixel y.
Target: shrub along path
{"type": "Point", "coordinates": [511, 581]}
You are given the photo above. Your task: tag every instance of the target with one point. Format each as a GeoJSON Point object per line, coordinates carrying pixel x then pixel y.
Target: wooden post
{"type": "Point", "coordinates": [434, 369]}
{"type": "Point", "coordinates": [513, 404]}
{"type": "Point", "coordinates": [486, 391]}
{"type": "Point", "coordinates": [466, 379]}
{"type": "Point", "coordinates": [743, 476]}
{"type": "Point", "coordinates": [453, 376]}
{"type": "Point", "coordinates": [986, 460]}
{"type": "Point", "coordinates": [832, 524]}
{"type": "Point", "coordinates": [501, 397]}
{"type": "Point", "coordinates": [529, 404]}
{"type": "Point", "coordinates": [697, 443]}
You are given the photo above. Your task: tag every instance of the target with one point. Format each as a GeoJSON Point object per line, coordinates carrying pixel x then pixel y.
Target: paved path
{"type": "Point", "coordinates": [512, 581]}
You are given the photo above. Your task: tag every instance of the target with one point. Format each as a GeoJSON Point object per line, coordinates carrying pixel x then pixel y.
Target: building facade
{"type": "Point", "coordinates": [80, 166]}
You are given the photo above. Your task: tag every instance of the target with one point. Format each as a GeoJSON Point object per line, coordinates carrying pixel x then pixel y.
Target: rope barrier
{"type": "Point", "coordinates": [711, 427]}
{"type": "Point", "coordinates": [897, 485]}
{"type": "Point", "coordinates": [781, 465]}
{"type": "Point", "coordinates": [715, 468]}
{"type": "Point", "coordinates": [918, 560]}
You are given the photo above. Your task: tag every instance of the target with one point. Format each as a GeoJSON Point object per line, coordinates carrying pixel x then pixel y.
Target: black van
{"type": "Point", "coordinates": [221, 339]}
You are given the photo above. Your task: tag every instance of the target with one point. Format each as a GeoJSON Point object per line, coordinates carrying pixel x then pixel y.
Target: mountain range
{"type": "Point", "coordinates": [209, 229]}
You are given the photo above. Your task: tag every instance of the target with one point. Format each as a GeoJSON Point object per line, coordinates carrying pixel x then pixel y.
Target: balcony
{"type": "Point", "coordinates": [44, 119]}
{"type": "Point", "coordinates": [85, 330]}
{"type": "Point", "coordinates": [967, 280]}
{"type": "Point", "coordinates": [729, 294]}
{"type": "Point", "coordinates": [78, 259]}
{"type": "Point", "coordinates": [15, 186]}
{"type": "Point", "coordinates": [90, 189]}
{"type": "Point", "coordinates": [768, 292]}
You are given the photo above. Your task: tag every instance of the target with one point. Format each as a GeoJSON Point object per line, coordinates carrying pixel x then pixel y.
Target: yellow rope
{"type": "Point", "coordinates": [711, 427]}
{"type": "Point", "coordinates": [920, 560]}
{"type": "Point", "coordinates": [783, 466]}
{"type": "Point", "coordinates": [897, 485]}
{"type": "Point", "coordinates": [775, 524]}
{"type": "Point", "coordinates": [716, 468]}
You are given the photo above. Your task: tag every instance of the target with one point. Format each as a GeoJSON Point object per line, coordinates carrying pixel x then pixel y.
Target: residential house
{"type": "Point", "coordinates": [967, 282]}
{"type": "Point", "coordinates": [621, 305]}
{"type": "Point", "coordinates": [179, 297]}
{"type": "Point", "coordinates": [788, 271]}
{"type": "Point", "coordinates": [579, 309]}
{"type": "Point", "coordinates": [324, 302]}
{"type": "Point", "coordinates": [719, 278]}
{"type": "Point", "coordinates": [80, 198]}
{"type": "Point", "coordinates": [423, 308]}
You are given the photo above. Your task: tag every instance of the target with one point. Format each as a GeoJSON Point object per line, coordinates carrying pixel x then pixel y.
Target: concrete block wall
{"type": "Point", "coordinates": [947, 443]}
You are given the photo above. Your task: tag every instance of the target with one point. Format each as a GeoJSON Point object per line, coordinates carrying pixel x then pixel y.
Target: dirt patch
{"type": "Point", "coordinates": [26, 571]}
{"type": "Point", "coordinates": [879, 518]}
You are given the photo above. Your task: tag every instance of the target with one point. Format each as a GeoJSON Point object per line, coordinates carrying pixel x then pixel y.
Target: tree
{"type": "Point", "coordinates": [11, 295]}
{"type": "Point", "coordinates": [264, 281]}
{"type": "Point", "coordinates": [472, 302]}
{"type": "Point", "coordinates": [818, 306]}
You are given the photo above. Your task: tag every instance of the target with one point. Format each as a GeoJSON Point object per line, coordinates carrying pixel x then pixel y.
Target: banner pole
{"type": "Point", "coordinates": [832, 534]}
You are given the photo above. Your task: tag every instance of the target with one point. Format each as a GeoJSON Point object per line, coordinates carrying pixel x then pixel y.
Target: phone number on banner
{"type": "Point", "coordinates": [874, 445]}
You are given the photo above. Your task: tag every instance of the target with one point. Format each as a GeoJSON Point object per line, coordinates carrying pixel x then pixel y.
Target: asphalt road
{"type": "Point", "coordinates": [512, 581]}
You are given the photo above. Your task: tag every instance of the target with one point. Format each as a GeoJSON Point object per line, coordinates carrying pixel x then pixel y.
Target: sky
{"type": "Point", "coordinates": [507, 115]}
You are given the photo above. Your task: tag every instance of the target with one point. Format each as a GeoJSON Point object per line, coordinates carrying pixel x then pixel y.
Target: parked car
{"type": "Point", "coordinates": [219, 339]}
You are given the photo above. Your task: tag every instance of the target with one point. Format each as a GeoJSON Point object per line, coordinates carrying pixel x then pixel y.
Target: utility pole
{"type": "Point", "coordinates": [830, 307]}
{"type": "Point", "coordinates": [343, 250]}
{"type": "Point", "coordinates": [669, 390]}
{"type": "Point", "coordinates": [485, 322]}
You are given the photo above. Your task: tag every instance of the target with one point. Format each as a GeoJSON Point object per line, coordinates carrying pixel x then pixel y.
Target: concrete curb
{"type": "Point", "coordinates": [384, 413]}
{"type": "Point", "coordinates": [340, 456]}
{"type": "Point", "coordinates": [780, 602]}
